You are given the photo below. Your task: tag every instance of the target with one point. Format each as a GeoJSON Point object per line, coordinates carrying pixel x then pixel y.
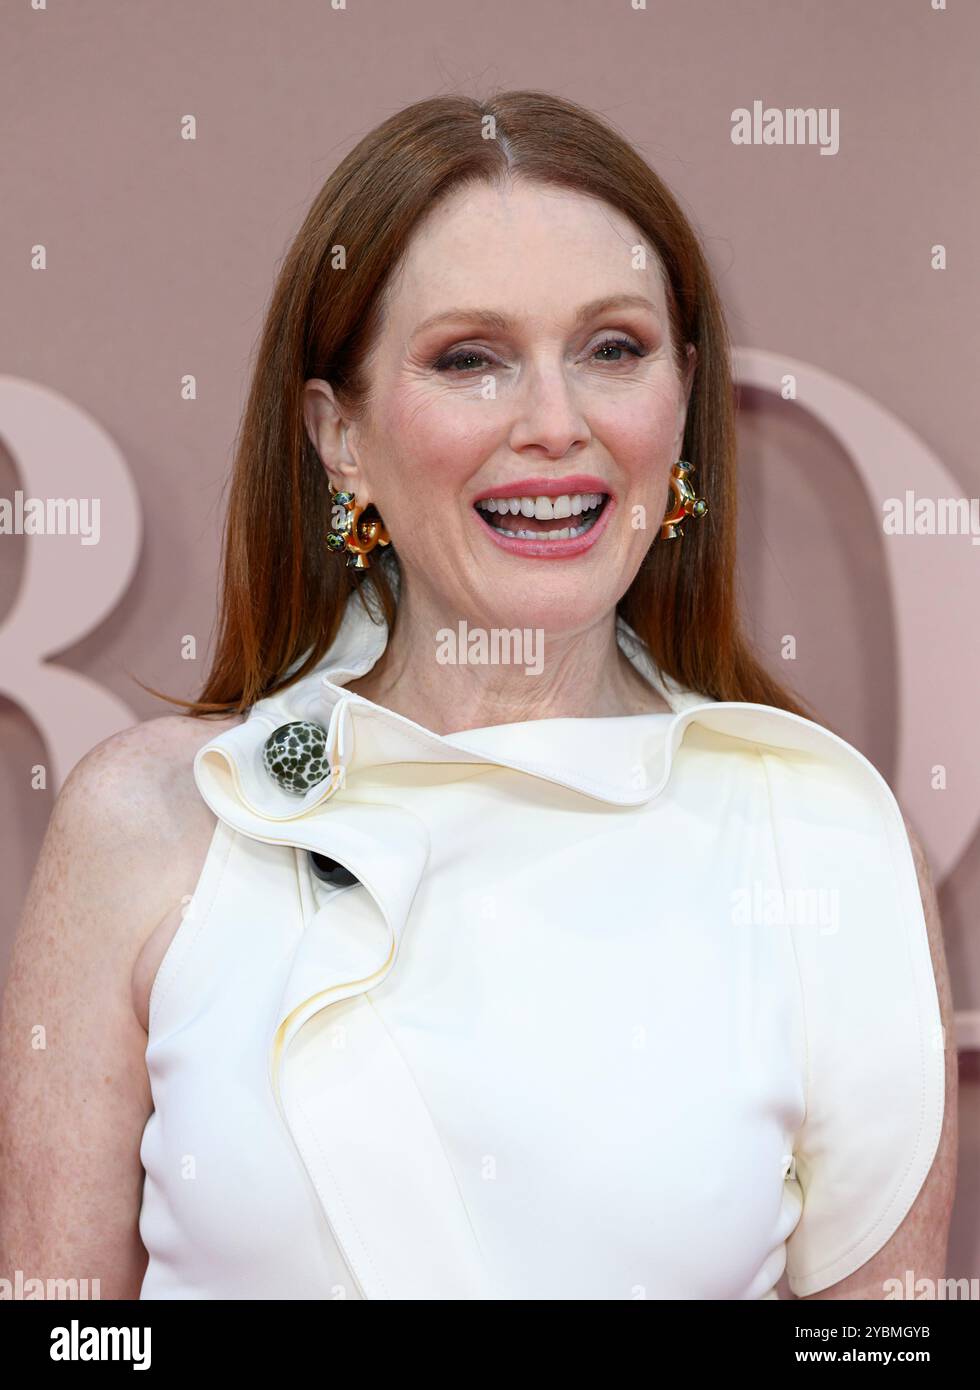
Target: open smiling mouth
{"type": "Point", "coordinates": [543, 518]}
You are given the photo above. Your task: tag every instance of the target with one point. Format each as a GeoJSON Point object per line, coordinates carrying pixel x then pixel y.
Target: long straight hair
{"type": "Point", "coordinates": [283, 592]}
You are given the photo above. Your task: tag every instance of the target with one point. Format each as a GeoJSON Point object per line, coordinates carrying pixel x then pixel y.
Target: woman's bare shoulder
{"type": "Point", "coordinates": [125, 844]}
{"type": "Point", "coordinates": [145, 772]}
{"type": "Point", "coordinates": [124, 839]}
{"type": "Point", "coordinates": [129, 827]}
{"type": "Point", "coordinates": [133, 798]}
{"type": "Point", "coordinates": [147, 777]}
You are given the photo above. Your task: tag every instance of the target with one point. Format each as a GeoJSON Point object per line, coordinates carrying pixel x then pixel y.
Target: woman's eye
{"type": "Point", "coordinates": [621, 345]}
{"type": "Point", "coordinates": [462, 361]}
{"type": "Point", "coordinates": [469, 359]}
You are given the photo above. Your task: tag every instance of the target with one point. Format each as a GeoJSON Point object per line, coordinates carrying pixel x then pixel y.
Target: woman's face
{"type": "Point", "coordinates": [523, 356]}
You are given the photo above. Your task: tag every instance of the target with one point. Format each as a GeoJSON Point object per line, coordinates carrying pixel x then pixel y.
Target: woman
{"type": "Point", "coordinates": [494, 926]}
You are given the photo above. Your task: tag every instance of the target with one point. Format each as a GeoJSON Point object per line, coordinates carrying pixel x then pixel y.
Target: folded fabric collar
{"type": "Point", "coordinates": [624, 760]}
{"type": "Point", "coordinates": [618, 759]}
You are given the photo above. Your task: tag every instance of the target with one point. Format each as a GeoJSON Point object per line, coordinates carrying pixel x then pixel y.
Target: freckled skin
{"type": "Point", "coordinates": [124, 848]}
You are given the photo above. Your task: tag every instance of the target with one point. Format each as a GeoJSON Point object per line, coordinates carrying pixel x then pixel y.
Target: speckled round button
{"type": "Point", "coordinates": [295, 756]}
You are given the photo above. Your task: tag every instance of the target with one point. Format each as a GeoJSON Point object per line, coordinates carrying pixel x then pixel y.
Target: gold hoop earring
{"type": "Point", "coordinates": [688, 503]}
{"type": "Point", "coordinates": [351, 535]}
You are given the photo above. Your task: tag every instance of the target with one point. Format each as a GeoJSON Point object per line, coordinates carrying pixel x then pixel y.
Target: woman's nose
{"type": "Point", "coordinates": [548, 414]}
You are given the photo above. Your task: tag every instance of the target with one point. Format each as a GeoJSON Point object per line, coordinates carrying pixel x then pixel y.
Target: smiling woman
{"type": "Point", "coordinates": [561, 383]}
{"type": "Point", "coordinates": [451, 975]}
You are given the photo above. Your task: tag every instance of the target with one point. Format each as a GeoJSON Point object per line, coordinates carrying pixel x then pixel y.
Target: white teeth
{"type": "Point", "coordinates": [544, 508]}
{"type": "Point", "coordinates": [566, 533]}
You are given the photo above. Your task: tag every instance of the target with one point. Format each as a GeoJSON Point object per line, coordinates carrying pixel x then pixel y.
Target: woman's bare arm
{"type": "Point", "coordinates": [74, 1092]}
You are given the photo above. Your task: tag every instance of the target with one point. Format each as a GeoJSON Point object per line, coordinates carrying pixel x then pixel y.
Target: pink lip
{"type": "Point", "coordinates": [547, 487]}
{"type": "Point", "coordinates": [550, 550]}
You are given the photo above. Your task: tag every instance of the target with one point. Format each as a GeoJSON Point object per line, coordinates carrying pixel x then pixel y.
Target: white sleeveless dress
{"type": "Point", "coordinates": [631, 1007]}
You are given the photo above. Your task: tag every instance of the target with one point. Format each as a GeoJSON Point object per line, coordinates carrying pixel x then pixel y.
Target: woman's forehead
{"type": "Point", "coordinates": [523, 263]}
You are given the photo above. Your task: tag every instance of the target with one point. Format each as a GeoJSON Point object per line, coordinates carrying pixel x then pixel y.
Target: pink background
{"type": "Point", "coordinates": [161, 254]}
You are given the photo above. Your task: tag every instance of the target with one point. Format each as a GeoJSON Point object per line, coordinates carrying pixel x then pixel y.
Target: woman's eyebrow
{"type": "Point", "coordinates": [489, 318]}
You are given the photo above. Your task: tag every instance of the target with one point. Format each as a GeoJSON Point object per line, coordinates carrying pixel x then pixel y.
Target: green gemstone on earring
{"type": "Point", "coordinates": [343, 498]}
{"type": "Point", "coordinates": [334, 542]}
{"type": "Point", "coordinates": [700, 507]}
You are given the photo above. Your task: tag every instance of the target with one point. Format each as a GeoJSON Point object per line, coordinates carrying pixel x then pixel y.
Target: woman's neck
{"type": "Point", "coordinates": [452, 675]}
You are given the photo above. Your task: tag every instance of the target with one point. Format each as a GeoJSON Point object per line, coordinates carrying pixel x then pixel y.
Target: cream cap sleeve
{"type": "Point", "coordinates": [875, 1073]}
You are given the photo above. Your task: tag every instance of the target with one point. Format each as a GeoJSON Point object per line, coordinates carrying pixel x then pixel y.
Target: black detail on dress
{"type": "Point", "coordinates": [330, 871]}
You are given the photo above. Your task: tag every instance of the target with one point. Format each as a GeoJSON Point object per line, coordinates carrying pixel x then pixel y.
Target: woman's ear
{"type": "Point", "coordinates": [328, 435]}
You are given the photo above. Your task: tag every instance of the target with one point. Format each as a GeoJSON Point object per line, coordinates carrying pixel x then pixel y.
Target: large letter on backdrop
{"type": "Point", "coordinates": [933, 580]}
{"type": "Point", "coordinates": [67, 588]}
